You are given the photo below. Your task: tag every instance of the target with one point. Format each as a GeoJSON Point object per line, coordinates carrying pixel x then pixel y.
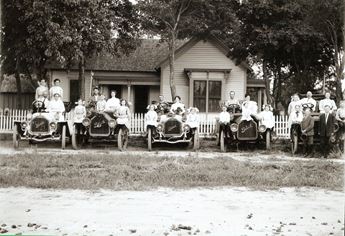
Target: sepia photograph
{"type": "Point", "coordinates": [172, 117]}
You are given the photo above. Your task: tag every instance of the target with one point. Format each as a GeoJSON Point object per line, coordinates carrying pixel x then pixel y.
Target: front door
{"type": "Point", "coordinates": [74, 93]}
{"type": "Point", "coordinates": [141, 93]}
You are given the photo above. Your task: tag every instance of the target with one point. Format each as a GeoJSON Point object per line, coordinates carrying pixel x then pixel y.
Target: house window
{"type": "Point", "coordinates": [207, 95]}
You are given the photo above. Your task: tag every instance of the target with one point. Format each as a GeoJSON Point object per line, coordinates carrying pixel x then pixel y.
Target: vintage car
{"type": "Point", "coordinates": [40, 126]}
{"type": "Point", "coordinates": [241, 131]}
{"type": "Point", "coordinates": [297, 137]}
{"type": "Point", "coordinates": [99, 126]}
{"type": "Point", "coordinates": [172, 128]}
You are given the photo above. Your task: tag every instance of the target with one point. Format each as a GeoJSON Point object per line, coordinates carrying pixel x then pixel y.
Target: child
{"type": "Point", "coordinates": [193, 118]}
{"type": "Point", "coordinates": [56, 108]}
{"type": "Point", "coordinates": [224, 121]}
{"type": "Point", "coordinates": [123, 114]}
{"type": "Point", "coordinates": [79, 112]}
{"type": "Point", "coordinates": [267, 118]}
{"type": "Point", "coordinates": [151, 118]}
{"type": "Point", "coordinates": [101, 103]}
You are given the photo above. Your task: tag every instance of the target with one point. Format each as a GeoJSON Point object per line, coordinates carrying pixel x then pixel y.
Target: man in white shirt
{"type": "Point", "coordinates": [232, 100]}
{"type": "Point", "coordinates": [309, 100]}
{"type": "Point", "coordinates": [56, 89]}
{"type": "Point", "coordinates": [327, 101]}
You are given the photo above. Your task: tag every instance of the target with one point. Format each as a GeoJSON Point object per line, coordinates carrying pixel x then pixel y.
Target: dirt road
{"type": "Point", "coordinates": [221, 211]}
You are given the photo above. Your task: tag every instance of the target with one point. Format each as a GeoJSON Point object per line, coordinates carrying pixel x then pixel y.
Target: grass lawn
{"type": "Point", "coordinates": [129, 172]}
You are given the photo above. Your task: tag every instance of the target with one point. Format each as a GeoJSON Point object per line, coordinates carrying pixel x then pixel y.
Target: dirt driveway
{"type": "Point", "coordinates": [219, 211]}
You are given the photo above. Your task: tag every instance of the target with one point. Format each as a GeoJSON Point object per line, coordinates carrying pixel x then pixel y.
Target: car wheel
{"type": "Point", "coordinates": [63, 137]}
{"type": "Point", "coordinates": [294, 144]}
{"type": "Point", "coordinates": [268, 139]}
{"type": "Point", "coordinates": [222, 142]}
{"type": "Point", "coordinates": [15, 136]}
{"type": "Point", "coordinates": [74, 138]}
{"type": "Point", "coordinates": [196, 141]}
{"type": "Point", "coordinates": [149, 139]}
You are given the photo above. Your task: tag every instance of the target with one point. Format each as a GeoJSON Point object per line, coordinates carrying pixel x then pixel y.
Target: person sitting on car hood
{"type": "Point", "coordinates": [56, 108]}
{"type": "Point", "coordinates": [249, 109]}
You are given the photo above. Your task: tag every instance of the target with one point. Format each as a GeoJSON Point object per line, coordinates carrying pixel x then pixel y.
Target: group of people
{"type": "Point", "coordinates": [50, 100]}
{"type": "Point", "coordinates": [162, 108]}
{"type": "Point", "coordinates": [300, 120]}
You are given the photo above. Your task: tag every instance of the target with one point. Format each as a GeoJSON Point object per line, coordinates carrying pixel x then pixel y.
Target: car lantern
{"type": "Point", "coordinates": [234, 127]}
{"type": "Point", "coordinates": [52, 126]}
{"type": "Point", "coordinates": [86, 122]}
{"type": "Point", "coordinates": [23, 125]}
{"type": "Point", "coordinates": [112, 123]}
{"type": "Point", "coordinates": [262, 128]}
{"type": "Point", "coordinates": [186, 128]}
{"type": "Point", "coordinates": [159, 128]}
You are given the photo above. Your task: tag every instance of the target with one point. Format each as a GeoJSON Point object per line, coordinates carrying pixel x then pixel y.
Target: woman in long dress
{"type": "Point", "coordinates": [123, 114]}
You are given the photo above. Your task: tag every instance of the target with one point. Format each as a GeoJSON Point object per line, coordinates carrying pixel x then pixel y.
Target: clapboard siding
{"type": "Point", "coordinates": [205, 55]}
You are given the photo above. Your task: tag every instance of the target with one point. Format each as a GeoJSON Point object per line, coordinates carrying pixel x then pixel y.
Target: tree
{"type": "Point", "coordinates": [167, 19]}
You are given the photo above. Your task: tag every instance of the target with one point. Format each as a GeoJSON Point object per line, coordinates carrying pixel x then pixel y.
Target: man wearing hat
{"type": "Point", "coordinates": [326, 128]}
{"type": "Point", "coordinates": [56, 89]}
{"type": "Point", "coordinates": [307, 127]}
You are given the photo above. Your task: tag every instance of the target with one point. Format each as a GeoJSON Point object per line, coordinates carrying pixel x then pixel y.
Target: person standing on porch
{"type": "Point", "coordinates": [112, 103]}
{"type": "Point", "coordinates": [326, 127]}
{"type": "Point", "coordinates": [294, 101]}
{"type": "Point", "coordinates": [327, 101]}
{"type": "Point", "coordinates": [307, 127]}
{"type": "Point", "coordinates": [309, 100]}
{"type": "Point", "coordinates": [56, 89]}
{"type": "Point", "coordinates": [232, 100]}
{"type": "Point", "coordinates": [41, 89]}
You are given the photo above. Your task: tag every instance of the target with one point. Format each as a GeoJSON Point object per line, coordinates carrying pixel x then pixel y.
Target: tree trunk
{"type": "Point", "coordinates": [19, 85]}
{"type": "Point", "coordinates": [82, 77]}
{"type": "Point", "coordinates": [339, 78]}
{"type": "Point", "coordinates": [172, 65]}
{"type": "Point", "coordinates": [267, 82]}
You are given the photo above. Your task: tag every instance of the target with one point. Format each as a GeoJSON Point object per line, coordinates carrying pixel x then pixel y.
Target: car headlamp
{"type": "Point", "coordinates": [186, 128]}
{"type": "Point", "coordinates": [160, 128]}
{"type": "Point", "coordinates": [86, 122]}
{"type": "Point", "coordinates": [52, 126]}
{"type": "Point", "coordinates": [23, 125]}
{"type": "Point", "coordinates": [262, 128]}
{"type": "Point", "coordinates": [234, 127]}
{"type": "Point", "coordinates": [112, 123]}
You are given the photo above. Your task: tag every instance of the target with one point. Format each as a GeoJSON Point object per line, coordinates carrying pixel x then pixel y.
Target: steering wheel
{"type": "Point", "coordinates": [308, 105]}
{"type": "Point", "coordinates": [233, 108]}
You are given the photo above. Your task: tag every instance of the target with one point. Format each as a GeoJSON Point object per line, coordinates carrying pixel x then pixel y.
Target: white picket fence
{"type": "Point", "coordinates": [207, 128]}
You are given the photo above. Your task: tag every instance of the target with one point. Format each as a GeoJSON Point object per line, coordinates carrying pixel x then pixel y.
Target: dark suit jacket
{"type": "Point", "coordinates": [326, 129]}
{"type": "Point", "coordinates": [307, 124]}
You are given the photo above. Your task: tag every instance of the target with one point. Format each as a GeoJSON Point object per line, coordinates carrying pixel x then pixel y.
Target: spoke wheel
{"type": "Point", "coordinates": [268, 139]}
{"type": "Point", "coordinates": [222, 142]}
{"type": "Point", "coordinates": [63, 137]}
{"type": "Point", "coordinates": [149, 139]}
{"type": "Point", "coordinates": [15, 136]}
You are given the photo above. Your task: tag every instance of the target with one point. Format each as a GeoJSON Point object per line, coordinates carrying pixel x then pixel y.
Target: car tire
{"type": "Point", "coordinates": [63, 137]}
{"type": "Point", "coordinates": [15, 136]}
{"type": "Point", "coordinates": [294, 144]}
{"type": "Point", "coordinates": [149, 139]}
{"type": "Point", "coordinates": [268, 139]}
{"type": "Point", "coordinates": [196, 141]}
{"type": "Point", "coordinates": [222, 142]}
{"type": "Point", "coordinates": [74, 139]}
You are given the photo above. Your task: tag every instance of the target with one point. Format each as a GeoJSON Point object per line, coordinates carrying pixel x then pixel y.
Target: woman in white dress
{"type": "Point", "coordinates": [113, 103]}
{"type": "Point", "coordinates": [177, 107]}
{"type": "Point", "coordinates": [56, 108]}
{"type": "Point", "coordinates": [294, 101]}
{"type": "Point", "coordinates": [79, 112]}
{"type": "Point", "coordinates": [123, 114]}
{"type": "Point", "coordinates": [151, 118]}
{"type": "Point", "coordinates": [249, 109]}
{"type": "Point", "coordinates": [266, 117]}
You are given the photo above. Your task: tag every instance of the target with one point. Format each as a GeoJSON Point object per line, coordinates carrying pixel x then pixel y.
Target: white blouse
{"type": "Point", "coordinates": [174, 107]}
{"type": "Point", "coordinates": [329, 102]}
{"type": "Point", "coordinates": [56, 89]}
{"type": "Point", "coordinates": [267, 119]}
{"type": "Point", "coordinates": [79, 113]}
{"type": "Point", "coordinates": [56, 107]}
{"type": "Point", "coordinates": [193, 120]}
{"type": "Point", "coordinates": [224, 117]}
{"type": "Point", "coordinates": [151, 118]}
{"type": "Point", "coordinates": [101, 105]}
{"type": "Point", "coordinates": [112, 104]}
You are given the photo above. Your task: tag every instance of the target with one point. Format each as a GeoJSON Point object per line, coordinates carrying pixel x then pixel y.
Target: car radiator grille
{"type": "Point", "coordinates": [172, 126]}
{"type": "Point", "coordinates": [247, 130]}
{"type": "Point", "coordinates": [40, 124]}
{"type": "Point", "coordinates": [99, 125]}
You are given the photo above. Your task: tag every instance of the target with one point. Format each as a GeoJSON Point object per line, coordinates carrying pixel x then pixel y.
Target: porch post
{"type": "Point", "coordinates": [128, 91]}
{"type": "Point", "coordinates": [259, 99]}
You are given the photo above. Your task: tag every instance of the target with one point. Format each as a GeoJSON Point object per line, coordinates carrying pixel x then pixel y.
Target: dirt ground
{"type": "Point", "coordinates": [218, 211]}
